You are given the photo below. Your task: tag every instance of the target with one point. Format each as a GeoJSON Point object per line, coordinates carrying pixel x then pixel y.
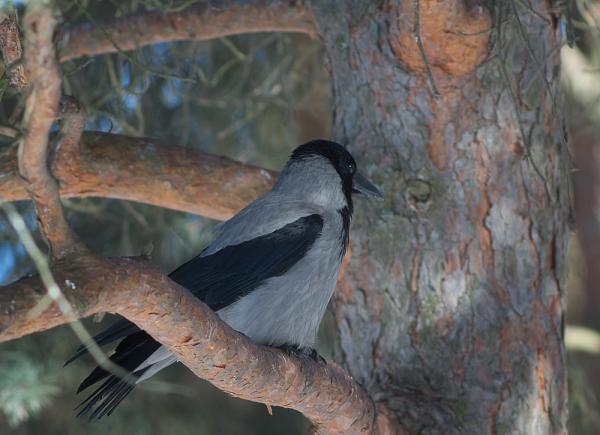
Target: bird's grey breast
{"type": "Point", "coordinates": [287, 309]}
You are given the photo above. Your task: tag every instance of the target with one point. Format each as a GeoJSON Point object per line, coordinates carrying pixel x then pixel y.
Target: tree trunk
{"type": "Point", "coordinates": [452, 310]}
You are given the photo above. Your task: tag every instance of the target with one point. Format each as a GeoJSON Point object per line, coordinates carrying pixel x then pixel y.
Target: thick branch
{"type": "Point", "coordinates": [199, 22]}
{"type": "Point", "coordinates": [10, 46]}
{"type": "Point", "coordinates": [134, 289]}
{"type": "Point", "coordinates": [40, 113]}
{"type": "Point", "coordinates": [115, 166]}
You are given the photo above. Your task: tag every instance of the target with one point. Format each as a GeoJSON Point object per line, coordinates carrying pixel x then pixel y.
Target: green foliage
{"type": "Point", "coordinates": [24, 388]}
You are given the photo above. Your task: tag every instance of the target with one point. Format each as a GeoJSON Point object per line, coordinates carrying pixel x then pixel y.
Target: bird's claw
{"type": "Point", "coordinates": [303, 353]}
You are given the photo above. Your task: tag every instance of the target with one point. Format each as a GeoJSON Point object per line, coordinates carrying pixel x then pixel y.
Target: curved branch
{"type": "Point", "coordinates": [135, 289]}
{"type": "Point", "coordinates": [115, 166]}
{"type": "Point", "coordinates": [199, 22]}
{"type": "Point", "coordinates": [40, 112]}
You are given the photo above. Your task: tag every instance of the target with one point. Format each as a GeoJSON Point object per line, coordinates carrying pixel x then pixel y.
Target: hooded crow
{"type": "Point", "coordinates": [269, 273]}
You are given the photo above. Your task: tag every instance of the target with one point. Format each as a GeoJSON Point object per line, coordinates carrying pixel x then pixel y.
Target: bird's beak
{"type": "Point", "coordinates": [360, 184]}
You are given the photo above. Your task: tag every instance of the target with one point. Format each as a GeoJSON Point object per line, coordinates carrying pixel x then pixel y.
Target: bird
{"type": "Point", "coordinates": [269, 273]}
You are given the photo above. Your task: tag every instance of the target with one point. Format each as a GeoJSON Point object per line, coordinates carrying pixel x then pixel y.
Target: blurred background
{"type": "Point", "coordinates": [252, 98]}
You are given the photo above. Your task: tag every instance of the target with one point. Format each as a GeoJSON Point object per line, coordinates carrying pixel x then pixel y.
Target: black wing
{"type": "Point", "coordinates": [231, 273]}
{"type": "Point", "coordinates": [219, 280]}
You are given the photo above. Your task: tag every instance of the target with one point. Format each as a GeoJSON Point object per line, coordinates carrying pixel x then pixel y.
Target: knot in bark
{"type": "Point", "coordinates": [454, 35]}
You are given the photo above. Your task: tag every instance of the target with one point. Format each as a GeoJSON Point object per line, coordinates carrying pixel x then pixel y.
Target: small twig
{"type": "Point", "coordinates": [238, 124]}
{"type": "Point", "coordinates": [269, 409]}
{"type": "Point", "coordinates": [417, 35]}
{"type": "Point", "coordinates": [8, 131]}
{"type": "Point", "coordinates": [40, 113]}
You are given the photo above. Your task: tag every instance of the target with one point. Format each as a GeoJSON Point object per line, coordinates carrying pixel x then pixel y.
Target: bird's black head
{"type": "Point", "coordinates": [351, 180]}
{"type": "Point", "coordinates": [338, 156]}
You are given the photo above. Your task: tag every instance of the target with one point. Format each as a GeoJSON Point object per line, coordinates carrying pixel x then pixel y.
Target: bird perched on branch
{"type": "Point", "coordinates": [269, 273]}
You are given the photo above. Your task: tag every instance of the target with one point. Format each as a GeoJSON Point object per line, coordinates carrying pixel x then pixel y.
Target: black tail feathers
{"type": "Point", "coordinates": [103, 401]}
{"type": "Point", "coordinates": [131, 352]}
{"type": "Point", "coordinates": [119, 329]}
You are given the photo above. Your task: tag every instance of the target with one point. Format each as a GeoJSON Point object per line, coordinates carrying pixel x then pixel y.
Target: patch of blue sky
{"type": "Point", "coordinates": [171, 93]}
{"type": "Point", "coordinates": [14, 2]}
{"type": "Point", "coordinates": [28, 215]}
{"type": "Point", "coordinates": [130, 101]}
{"type": "Point", "coordinates": [159, 50]}
{"type": "Point", "coordinates": [261, 55]}
{"type": "Point", "coordinates": [125, 76]}
{"type": "Point", "coordinates": [100, 123]}
{"type": "Point", "coordinates": [201, 58]}
{"type": "Point", "coordinates": [109, 125]}
{"type": "Point", "coordinates": [7, 261]}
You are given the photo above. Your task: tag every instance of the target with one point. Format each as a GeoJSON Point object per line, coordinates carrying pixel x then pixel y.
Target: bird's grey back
{"type": "Point", "coordinates": [264, 216]}
{"type": "Point", "coordinates": [306, 187]}
{"type": "Point", "coordinates": [288, 309]}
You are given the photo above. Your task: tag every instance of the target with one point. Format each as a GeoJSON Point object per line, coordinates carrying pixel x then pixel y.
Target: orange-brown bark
{"type": "Point", "coordinates": [455, 36]}
{"type": "Point", "coordinates": [135, 289]}
{"type": "Point", "coordinates": [116, 166]}
{"type": "Point", "coordinates": [455, 39]}
{"type": "Point", "coordinates": [199, 22]}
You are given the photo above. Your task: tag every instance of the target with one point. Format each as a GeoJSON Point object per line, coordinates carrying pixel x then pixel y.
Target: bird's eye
{"type": "Point", "coordinates": [351, 167]}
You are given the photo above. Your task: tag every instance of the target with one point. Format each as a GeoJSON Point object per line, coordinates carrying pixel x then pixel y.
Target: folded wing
{"type": "Point", "coordinates": [218, 279]}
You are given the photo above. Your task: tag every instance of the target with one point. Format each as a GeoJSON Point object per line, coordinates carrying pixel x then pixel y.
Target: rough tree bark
{"type": "Point", "coordinates": [451, 309]}
{"type": "Point", "coordinates": [10, 46]}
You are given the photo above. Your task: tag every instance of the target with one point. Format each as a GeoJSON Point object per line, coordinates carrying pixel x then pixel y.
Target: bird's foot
{"type": "Point", "coordinates": [303, 352]}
